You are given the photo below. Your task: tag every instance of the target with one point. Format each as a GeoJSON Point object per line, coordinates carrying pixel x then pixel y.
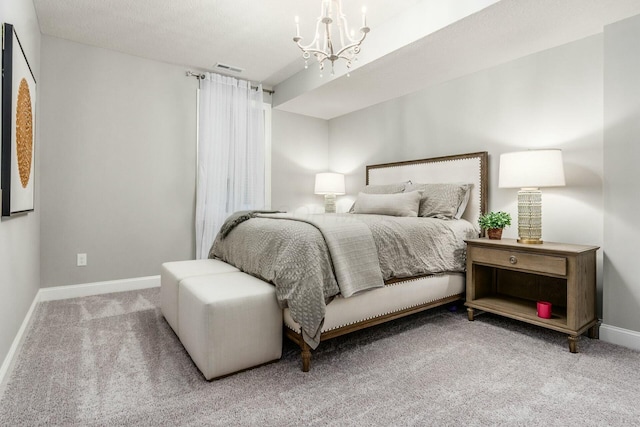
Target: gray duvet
{"type": "Point", "coordinates": [299, 254]}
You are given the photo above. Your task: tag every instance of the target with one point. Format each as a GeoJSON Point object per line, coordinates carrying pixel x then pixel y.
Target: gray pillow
{"type": "Point", "coordinates": [444, 201]}
{"type": "Point", "coordinates": [398, 204]}
{"type": "Point", "coordinates": [397, 187]}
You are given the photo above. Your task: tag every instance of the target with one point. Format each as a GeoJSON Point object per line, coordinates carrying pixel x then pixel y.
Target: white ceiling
{"type": "Point", "coordinates": [257, 36]}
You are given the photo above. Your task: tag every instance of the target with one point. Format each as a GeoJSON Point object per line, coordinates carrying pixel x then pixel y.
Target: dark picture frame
{"type": "Point", "coordinates": [17, 173]}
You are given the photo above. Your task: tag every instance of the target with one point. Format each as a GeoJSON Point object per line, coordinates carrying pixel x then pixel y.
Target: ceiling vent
{"type": "Point", "coordinates": [228, 68]}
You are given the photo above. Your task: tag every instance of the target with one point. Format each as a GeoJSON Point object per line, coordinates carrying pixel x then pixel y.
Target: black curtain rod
{"type": "Point", "coordinates": [202, 76]}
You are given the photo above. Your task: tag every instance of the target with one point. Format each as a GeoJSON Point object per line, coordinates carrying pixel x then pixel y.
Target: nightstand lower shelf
{"type": "Point", "coordinates": [521, 309]}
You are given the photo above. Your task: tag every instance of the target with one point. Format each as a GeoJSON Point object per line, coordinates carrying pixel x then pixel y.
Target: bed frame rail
{"type": "Point", "coordinates": [296, 337]}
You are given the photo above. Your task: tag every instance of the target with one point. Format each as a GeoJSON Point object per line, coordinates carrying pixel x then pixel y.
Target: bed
{"type": "Point", "coordinates": [336, 279]}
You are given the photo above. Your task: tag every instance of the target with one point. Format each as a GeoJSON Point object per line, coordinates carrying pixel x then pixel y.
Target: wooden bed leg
{"type": "Point", "coordinates": [306, 357]}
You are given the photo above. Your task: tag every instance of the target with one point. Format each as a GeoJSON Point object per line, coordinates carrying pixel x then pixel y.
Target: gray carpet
{"type": "Point", "coordinates": [113, 360]}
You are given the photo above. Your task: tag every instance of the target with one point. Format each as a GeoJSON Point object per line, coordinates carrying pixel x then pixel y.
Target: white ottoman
{"type": "Point", "coordinates": [229, 322]}
{"type": "Point", "coordinates": [171, 273]}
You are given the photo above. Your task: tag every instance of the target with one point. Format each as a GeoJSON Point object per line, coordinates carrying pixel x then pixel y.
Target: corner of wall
{"type": "Point", "coordinates": [20, 236]}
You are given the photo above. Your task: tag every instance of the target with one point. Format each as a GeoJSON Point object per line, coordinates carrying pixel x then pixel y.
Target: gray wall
{"type": "Point", "coordinates": [622, 174]}
{"type": "Point", "coordinates": [20, 236]}
{"type": "Point", "coordinates": [550, 99]}
{"type": "Point", "coordinates": [119, 163]}
{"type": "Point", "coordinates": [299, 150]}
{"type": "Point", "coordinates": [118, 152]}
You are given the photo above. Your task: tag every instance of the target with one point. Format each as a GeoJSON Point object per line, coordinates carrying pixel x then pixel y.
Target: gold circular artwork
{"type": "Point", "coordinates": [24, 132]}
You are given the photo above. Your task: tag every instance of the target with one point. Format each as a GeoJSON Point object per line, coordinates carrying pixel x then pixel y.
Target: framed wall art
{"type": "Point", "coordinates": [18, 127]}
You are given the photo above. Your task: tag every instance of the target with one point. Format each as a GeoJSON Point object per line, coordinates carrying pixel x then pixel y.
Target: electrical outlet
{"type": "Point", "coordinates": [81, 260]}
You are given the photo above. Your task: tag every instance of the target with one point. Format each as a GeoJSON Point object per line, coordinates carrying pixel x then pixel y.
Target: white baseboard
{"type": "Point", "coordinates": [66, 292]}
{"type": "Point", "coordinates": [97, 288]}
{"type": "Point", "coordinates": [9, 360]}
{"type": "Point", "coordinates": [620, 336]}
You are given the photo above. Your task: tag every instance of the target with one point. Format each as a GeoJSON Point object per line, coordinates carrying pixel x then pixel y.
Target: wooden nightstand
{"type": "Point", "coordinates": [508, 278]}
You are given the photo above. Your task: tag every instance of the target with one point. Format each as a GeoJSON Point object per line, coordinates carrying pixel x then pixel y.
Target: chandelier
{"type": "Point", "coordinates": [322, 46]}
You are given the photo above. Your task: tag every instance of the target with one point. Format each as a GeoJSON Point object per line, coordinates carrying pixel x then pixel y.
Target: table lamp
{"type": "Point", "coordinates": [330, 184]}
{"type": "Point", "coordinates": [530, 170]}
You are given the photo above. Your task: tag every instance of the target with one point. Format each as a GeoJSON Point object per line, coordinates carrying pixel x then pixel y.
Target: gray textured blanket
{"type": "Point", "coordinates": [295, 257]}
{"type": "Point", "coordinates": [238, 218]}
{"type": "Point", "coordinates": [352, 249]}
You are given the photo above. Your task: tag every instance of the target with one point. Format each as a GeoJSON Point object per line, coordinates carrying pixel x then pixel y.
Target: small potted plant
{"type": "Point", "coordinates": [494, 222]}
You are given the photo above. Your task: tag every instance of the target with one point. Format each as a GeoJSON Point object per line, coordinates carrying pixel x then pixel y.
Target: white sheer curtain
{"type": "Point", "coordinates": [230, 154]}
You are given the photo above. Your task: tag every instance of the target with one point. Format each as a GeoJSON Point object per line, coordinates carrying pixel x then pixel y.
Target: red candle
{"type": "Point", "coordinates": [544, 309]}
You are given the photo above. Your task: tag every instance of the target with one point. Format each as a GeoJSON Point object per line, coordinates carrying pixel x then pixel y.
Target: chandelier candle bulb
{"type": "Point", "coordinates": [364, 16]}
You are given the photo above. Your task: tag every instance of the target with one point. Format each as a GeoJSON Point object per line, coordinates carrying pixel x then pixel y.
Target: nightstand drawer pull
{"type": "Point", "coordinates": [513, 260]}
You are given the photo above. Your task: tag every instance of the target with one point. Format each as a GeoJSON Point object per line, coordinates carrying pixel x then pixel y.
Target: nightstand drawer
{"type": "Point", "coordinates": [522, 261]}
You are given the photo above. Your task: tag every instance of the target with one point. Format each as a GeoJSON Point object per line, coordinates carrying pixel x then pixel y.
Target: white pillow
{"type": "Point", "coordinates": [399, 204]}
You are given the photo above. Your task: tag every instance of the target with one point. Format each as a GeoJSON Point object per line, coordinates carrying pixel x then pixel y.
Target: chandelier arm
{"type": "Point", "coordinates": [317, 52]}
{"type": "Point", "coordinates": [345, 56]}
{"type": "Point", "coordinates": [352, 45]}
{"type": "Point", "coordinates": [307, 47]}
{"type": "Point", "coordinates": [314, 41]}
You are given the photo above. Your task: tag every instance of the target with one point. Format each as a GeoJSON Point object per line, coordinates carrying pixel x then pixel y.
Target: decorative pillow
{"type": "Point", "coordinates": [385, 188]}
{"type": "Point", "coordinates": [382, 189]}
{"type": "Point", "coordinates": [464, 203]}
{"type": "Point", "coordinates": [444, 201]}
{"type": "Point", "coordinates": [398, 204]}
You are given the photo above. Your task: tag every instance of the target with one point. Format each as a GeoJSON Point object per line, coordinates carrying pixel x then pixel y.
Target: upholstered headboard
{"type": "Point", "coordinates": [462, 168]}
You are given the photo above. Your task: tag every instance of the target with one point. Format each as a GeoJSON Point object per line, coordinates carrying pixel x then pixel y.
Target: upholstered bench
{"type": "Point", "coordinates": [171, 273]}
{"type": "Point", "coordinates": [229, 322]}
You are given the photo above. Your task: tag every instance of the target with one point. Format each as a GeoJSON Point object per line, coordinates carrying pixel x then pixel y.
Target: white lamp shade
{"type": "Point", "coordinates": [531, 169]}
{"type": "Point", "coordinates": [329, 183]}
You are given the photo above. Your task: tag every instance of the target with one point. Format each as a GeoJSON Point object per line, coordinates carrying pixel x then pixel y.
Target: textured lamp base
{"type": "Point", "coordinates": [530, 216]}
{"type": "Point", "coordinates": [330, 203]}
